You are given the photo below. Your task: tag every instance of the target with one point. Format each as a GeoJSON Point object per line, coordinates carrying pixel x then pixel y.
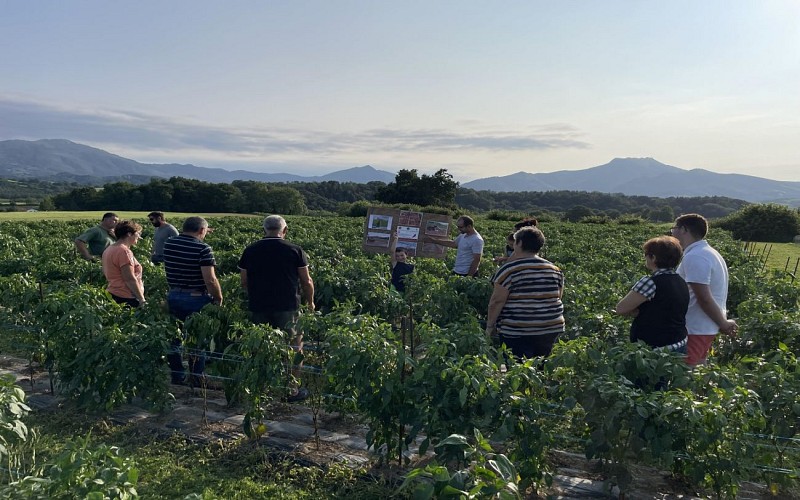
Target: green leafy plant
{"type": "Point", "coordinates": [479, 472]}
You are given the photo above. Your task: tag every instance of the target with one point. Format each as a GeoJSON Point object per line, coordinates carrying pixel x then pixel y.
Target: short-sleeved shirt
{"type": "Point", "coordinates": [97, 239]}
{"type": "Point", "coordinates": [469, 245]}
{"type": "Point", "coordinates": [533, 306]}
{"type": "Point", "coordinates": [184, 256]}
{"type": "Point", "coordinates": [273, 283]}
{"type": "Point", "coordinates": [114, 259]}
{"type": "Point", "coordinates": [704, 265]}
{"type": "Point", "coordinates": [163, 233]}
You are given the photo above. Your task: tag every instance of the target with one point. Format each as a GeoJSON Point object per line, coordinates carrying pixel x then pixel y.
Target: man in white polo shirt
{"type": "Point", "coordinates": [706, 273]}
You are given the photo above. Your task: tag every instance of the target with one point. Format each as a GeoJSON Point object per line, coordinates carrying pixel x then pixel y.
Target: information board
{"type": "Point", "coordinates": [410, 226]}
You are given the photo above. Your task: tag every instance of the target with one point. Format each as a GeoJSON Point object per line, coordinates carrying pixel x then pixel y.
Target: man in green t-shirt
{"type": "Point", "coordinates": [94, 241]}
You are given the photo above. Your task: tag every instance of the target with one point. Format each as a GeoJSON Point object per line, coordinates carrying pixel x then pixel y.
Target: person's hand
{"type": "Point", "coordinates": [729, 327]}
{"type": "Point", "coordinates": [491, 330]}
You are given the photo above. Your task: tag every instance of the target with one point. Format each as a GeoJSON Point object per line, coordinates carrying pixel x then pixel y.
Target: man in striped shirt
{"type": "Point", "coordinates": [525, 309]}
{"type": "Point", "coordinates": [189, 264]}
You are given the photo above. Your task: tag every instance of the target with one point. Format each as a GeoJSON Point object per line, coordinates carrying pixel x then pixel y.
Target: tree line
{"type": "Point", "coordinates": [179, 194]}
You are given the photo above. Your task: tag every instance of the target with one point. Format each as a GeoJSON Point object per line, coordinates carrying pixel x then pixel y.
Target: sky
{"type": "Point", "coordinates": [476, 87]}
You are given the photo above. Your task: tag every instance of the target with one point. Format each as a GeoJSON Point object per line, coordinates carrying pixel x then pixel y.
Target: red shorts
{"type": "Point", "coordinates": [697, 348]}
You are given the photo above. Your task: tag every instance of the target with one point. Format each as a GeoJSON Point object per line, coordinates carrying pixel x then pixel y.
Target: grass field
{"type": "Point", "coordinates": [777, 255]}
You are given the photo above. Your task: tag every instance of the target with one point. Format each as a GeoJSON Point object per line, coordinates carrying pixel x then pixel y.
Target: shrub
{"type": "Point", "coordinates": [764, 222]}
{"type": "Point", "coordinates": [631, 220]}
{"type": "Point", "coordinates": [596, 219]}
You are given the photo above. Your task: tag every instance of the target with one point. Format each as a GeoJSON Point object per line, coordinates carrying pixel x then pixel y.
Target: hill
{"type": "Point", "coordinates": [647, 177]}
{"type": "Point", "coordinates": [63, 160]}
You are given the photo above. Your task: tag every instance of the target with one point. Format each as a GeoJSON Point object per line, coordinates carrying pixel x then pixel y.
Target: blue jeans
{"type": "Point", "coordinates": [181, 305]}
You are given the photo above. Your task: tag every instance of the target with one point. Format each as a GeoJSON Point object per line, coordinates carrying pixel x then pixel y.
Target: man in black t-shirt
{"type": "Point", "coordinates": [274, 272]}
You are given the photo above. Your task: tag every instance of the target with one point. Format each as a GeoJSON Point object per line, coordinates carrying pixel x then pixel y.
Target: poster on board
{"type": "Point", "coordinates": [409, 226]}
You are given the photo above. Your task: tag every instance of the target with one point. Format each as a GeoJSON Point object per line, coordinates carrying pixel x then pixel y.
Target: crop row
{"type": "Point", "coordinates": [418, 368]}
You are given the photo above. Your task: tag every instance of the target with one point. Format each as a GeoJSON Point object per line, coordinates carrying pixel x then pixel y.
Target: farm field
{"type": "Point", "coordinates": [419, 366]}
{"type": "Point", "coordinates": [779, 256]}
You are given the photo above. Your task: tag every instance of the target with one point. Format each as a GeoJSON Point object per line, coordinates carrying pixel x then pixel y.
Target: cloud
{"type": "Point", "coordinates": [145, 132]}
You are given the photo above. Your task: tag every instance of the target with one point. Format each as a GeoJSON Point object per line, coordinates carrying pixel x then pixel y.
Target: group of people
{"type": "Point", "coordinates": [272, 271]}
{"type": "Point", "coordinates": [679, 307]}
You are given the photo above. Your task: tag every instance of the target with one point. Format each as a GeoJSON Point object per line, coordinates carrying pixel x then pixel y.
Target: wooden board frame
{"type": "Point", "coordinates": [381, 222]}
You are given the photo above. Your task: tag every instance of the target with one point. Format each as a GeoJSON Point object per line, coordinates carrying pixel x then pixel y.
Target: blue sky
{"type": "Point", "coordinates": [479, 88]}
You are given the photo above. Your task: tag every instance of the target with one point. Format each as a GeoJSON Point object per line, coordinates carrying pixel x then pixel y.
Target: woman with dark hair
{"type": "Point", "coordinates": [123, 272]}
{"type": "Point", "coordinates": [526, 222]}
{"type": "Point", "coordinates": [658, 302]}
{"type": "Point", "coordinates": [525, 310]}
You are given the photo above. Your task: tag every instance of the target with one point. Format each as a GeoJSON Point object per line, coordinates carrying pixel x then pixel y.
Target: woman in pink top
{"type": "Point", "coordinates": [122, 270]}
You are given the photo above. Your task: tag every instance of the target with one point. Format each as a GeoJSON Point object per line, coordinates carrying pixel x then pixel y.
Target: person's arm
{"type": "Point", "coordinates": [134, 285]}
{"type": "Point", "coordinates": [496, 303]}
{"type": "Point", "coordinates": [212, 284]}
{"type": "Point", "coordinates": [629, 304]}
{"type": "Point", "coordinates": [392, 248]}
{"type": "Point", "coordinates": [243, 278]}
{"type": "Point", "coordinates": [705, 300]}
{"type": "Point", "coordinates": [440, 241]}
{"type": "Point", "coordinates": [83, 250]}
{"type": "Point", "coordinates": [307, 285]}
{"type": "Point", "coordinates": [475, 264]}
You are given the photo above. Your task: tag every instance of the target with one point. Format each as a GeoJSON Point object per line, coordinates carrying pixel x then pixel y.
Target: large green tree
{"type": "Point", "coordinates": [408, 187]}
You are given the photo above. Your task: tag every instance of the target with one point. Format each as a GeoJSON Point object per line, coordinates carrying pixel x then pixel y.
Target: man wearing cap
{"type": "Point", "coordinates": [164, 231]}
{"type": "Point", "coordinates": [189, 265]}
{"type": "Point", "coordinates": [92, 243]}
{"type": "Point", "coordinates": [273, 272]}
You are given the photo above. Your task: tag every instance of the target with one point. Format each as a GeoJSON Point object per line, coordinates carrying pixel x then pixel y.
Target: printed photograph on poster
{"type": "Point", "coordinates": [409, 246]}
{"type": "Point", "coordinates": [433, 249]}
{"type": "Point", "coordinates": [436, 228]}
{"type": "Point", "coordinates": [380, 222]}
{"type": "Point", "coordinates": [408, 218]}
{"type": "Point", "coordinates": [378, 239]}
{"type": "Point", "coordinates": [407, 232]}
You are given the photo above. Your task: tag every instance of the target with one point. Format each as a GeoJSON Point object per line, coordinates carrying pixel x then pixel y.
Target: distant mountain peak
{"type": "Point", "coordinates": [646, 177]}
{"type": "Point", "coordinates": [67, 160]}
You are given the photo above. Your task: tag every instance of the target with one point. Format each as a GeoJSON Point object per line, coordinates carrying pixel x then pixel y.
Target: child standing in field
{"type": "Point", "coordinates": [509, 250]}
{"type": "Point", "coordinates": [400, 268]}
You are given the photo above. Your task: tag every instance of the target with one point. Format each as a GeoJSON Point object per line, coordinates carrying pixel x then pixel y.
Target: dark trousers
{"type": "Point", "coordinates": [181, 305]}
{"type": "Point", "coordinates": [123, 300]}
{"type": "Point", "coordinates": [530, 346]}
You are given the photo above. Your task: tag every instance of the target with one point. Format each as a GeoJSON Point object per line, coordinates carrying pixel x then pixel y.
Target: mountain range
{"type": "Point", "coordinates": [647, 177]}
{"type": "Point", "coordinates": [63, 160]}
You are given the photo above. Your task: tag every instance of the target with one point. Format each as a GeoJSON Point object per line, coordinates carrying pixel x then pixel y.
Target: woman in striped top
{"type": "Point", "coordinates": [525, 310]}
